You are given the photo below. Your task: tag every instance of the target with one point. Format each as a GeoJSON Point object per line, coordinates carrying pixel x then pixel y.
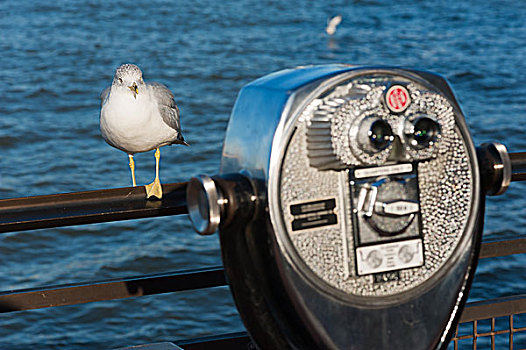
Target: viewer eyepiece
{"type": "Point", "coordinates": [422, 132]}
{"type": "Point", "coordinates": [373, 135]}
{"type": "Point", "coordinates": [380, 135]}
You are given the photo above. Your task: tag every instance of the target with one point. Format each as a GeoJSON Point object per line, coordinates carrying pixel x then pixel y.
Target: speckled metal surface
{"type": "Point", "coordinates": [314, 169]}
{"type": "Point", "coordinates": [334, 125]}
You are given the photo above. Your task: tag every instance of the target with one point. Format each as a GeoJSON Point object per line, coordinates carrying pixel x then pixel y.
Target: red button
{"type": "Point", "coordinates": [397, 98]}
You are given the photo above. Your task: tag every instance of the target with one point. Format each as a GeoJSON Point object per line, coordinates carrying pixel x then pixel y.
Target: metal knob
{"type": "Point", "coordinates": [204, 200]}
{"type": "Point", "coordinates": [495, 168]}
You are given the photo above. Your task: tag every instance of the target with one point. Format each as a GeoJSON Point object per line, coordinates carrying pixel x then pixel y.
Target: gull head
{"type": "Point", "coordinates": [129, 77]}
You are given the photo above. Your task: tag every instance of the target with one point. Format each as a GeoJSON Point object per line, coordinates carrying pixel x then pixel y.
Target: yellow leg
{"type": "Point", "coordinates": [155, 189]}
{"type": "Point", "coordinates": [132, 168]}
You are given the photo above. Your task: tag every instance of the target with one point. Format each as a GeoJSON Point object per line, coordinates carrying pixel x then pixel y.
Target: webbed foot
{"type": "Point", "coordinates": [154, 189]}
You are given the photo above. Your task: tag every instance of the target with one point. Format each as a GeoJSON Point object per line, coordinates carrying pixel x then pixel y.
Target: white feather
{"type": "Point", "coordinates": [134, 124]}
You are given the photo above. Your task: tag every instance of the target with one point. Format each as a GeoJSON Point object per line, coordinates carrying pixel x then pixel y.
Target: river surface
{"type": "Point", "coordinates": [57, 56]}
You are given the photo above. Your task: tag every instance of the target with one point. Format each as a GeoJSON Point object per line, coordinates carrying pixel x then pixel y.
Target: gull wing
{"type": "Point", "coordinates": [332, 24]}
{"type": "Point", "coordinates": [168, 109]}
{"type": "Point", "coordinates": [104, 94]}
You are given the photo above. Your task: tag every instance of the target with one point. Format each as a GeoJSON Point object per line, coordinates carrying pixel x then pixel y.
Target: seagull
{"type": "Point", "coordinates": [332, 24]}
{"type": "Point", "coordinates": [136, 117]}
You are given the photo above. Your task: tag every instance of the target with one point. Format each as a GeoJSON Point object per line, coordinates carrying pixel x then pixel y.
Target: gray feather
{"type": "Point", "coordinates": [168, 109]}
{"type": "Point", "coordinates": [167, 106]}
{"type": "Point", "coordinates": [104, 94]}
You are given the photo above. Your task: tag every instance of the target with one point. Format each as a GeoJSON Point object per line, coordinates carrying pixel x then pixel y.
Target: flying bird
{"type": "Point", "coordinates": [332, 24]}
{"type": "Point", "coordinates": [136, 117]}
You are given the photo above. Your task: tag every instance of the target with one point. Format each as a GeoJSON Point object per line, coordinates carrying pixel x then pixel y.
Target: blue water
{"type": "Point", "coordinates": [56, 57]}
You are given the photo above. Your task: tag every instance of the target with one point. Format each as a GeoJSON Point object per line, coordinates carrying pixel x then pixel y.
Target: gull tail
{"type": "Point", "coordinates": [180, 140]}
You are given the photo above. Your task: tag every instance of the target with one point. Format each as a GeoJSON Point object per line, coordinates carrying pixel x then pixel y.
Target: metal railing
{"type": "Point", "coordinates": [496, 323]}
{"type": "Point", "coordinates": [493, 324]}
{"type": "Point", "coordinates": [479, 326]}
{"type": "Point", "coordinates": [78, 208]}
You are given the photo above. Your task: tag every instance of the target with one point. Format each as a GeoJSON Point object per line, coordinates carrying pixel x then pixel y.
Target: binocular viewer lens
{"type": "Point", "coordinates": [422, 132]}
{"type": "Point", "coordinates": [380, 135]}
{"type": "Point", "coordinates": [374, 135]}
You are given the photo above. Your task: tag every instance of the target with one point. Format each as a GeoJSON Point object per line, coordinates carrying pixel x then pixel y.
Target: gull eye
{"type": "Point", "coordinates": [120, 80]}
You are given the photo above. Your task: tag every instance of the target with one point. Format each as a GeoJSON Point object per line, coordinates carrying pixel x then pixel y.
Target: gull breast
{"type": "Point", "coordinates": [134, 124]}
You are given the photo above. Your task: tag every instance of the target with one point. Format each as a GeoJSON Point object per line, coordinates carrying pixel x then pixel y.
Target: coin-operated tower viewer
{"type": "Point", "coordinates": [349, 206]}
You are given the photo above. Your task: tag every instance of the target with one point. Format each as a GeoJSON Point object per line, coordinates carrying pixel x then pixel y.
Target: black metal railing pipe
{"type": "Point", "coordinates": [518, 166]}
{"type": "Point", "coordinates": [79, 293]}
{"type": "Point", "coordinates": [78, 208]}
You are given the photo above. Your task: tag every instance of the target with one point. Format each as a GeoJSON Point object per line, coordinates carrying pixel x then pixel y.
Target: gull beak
{"type": "Point", "coordinates": [134, 89]}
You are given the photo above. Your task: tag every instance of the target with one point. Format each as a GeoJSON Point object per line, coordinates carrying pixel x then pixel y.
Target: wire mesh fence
{"type": "Point", "coordinates": [492, 324]}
